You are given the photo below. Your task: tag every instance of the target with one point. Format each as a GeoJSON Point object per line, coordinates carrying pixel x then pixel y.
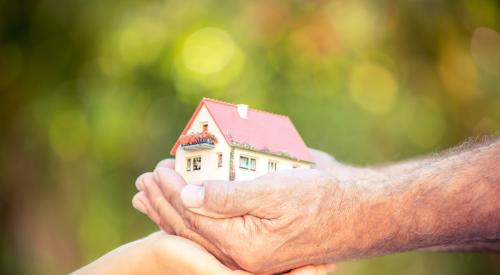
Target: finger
{"type": "Point", "coordinates": [221, 199]}
{"type": "Point", "coordinates": [166, 163]}
{"type": "Point", "coordinates": [141, 201]}
{"type": "Point", "coordinates": [170, 215]}
{"type": "Point", "coordinates": [139, 182]}
{"type": "Point", "coordinates": [138, 203]}
{"type": "Point", "coordinates": [161, 205]}
{"type": "Point", "coordinates": [171, 184]}
{"type": "Point", "coordinates": [153, 204]}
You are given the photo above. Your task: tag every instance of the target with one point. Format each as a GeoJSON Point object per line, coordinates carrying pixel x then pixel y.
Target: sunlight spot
{"type": "Point", "coordinates": [208, 51]}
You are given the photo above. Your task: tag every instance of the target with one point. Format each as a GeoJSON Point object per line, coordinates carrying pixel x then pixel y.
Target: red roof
{"type": "Point", "coordinates": [261, 130]}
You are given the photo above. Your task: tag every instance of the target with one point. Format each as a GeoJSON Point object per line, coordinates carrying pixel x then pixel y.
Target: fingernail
{"type": "Point", "coordinates": [193, 195]}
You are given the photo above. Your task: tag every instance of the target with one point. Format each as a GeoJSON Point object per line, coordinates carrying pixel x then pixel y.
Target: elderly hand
{"type": "Point", "coordinates": [277, 222]}
{"type": "Point", "coordinates": [295, 217]}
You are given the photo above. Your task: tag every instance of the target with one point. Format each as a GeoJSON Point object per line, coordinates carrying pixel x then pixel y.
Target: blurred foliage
{"type": "Point", "coordinates": [93, 93]}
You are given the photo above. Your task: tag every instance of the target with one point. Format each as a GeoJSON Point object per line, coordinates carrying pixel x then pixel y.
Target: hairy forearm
{"type": "Point", "coordinates": [444, 202]}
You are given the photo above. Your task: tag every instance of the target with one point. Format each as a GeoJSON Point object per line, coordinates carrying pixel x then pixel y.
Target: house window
{"type": "Point", "coordinates": [197, 163]}
{"type": "Point", "coordinates": [244, 162]}
{"type": "Point", "coordinates": [219, 159]}
{"type": "Point", "coordinates": [272, 165]}
{"type": "Point", "coordinates": [204, 127]}
{"type": "Point", "coordinates": [248, 163]}
{"type": "Point", "coordinates": [193, 164]}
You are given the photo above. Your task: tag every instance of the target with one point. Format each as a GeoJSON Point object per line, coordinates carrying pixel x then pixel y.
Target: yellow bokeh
{"type": "Point", "coordinates": [355, 24]}
{"type": "Point", "coordinates": [373, 87]}
{"type": "Point", "coordinates": [457, 71]}
{"type": "Point", "coordinates": [209, 57]}
{"type": "Point", "coordinates": [208, 51]}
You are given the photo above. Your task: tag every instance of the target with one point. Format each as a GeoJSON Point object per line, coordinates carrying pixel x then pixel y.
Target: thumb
{"type": "Point", "coordinates": [219, 199]}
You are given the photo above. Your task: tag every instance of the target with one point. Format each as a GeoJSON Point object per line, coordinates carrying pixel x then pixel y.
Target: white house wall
{"type": "Point", "coordinates": [261, 164]}
{"type": "Point", "coordinates": [209, 169]}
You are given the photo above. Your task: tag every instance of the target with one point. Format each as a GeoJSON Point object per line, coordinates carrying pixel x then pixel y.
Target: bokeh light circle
{"type": "Point", "coordinates": [208, 51]}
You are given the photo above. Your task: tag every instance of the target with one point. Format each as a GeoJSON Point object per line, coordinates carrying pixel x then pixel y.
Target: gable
{"type": "Point", "coordinates": [195, 125]}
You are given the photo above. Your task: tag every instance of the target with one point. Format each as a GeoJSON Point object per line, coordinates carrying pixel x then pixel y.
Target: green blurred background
{"type": "Point", "coordinates": [94, 93]}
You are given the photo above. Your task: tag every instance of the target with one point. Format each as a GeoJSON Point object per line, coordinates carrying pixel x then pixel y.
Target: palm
{"type": "Point", "coordinates": [182, 256]}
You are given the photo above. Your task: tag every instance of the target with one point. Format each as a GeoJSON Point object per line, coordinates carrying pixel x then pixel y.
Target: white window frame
{"type": "Point", "coordinates": [190, 163]}
{"type": "Point", "coordinates": [199, 168]}
{"type": "Point", "coordinates": [251, 163]}
{"type": "Point", "coordinates": [272, 165]}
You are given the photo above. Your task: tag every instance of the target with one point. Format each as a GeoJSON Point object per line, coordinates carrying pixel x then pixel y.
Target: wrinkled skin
{"type": "Point", "coordinates": [268, 228]}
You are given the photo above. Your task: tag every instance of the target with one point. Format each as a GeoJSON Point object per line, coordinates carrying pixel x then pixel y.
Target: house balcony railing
{"type": "Point", "coordinates": [198, 141]}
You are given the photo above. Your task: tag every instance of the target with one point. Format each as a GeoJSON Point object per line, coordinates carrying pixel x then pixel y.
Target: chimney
{"type": "Point", "coordinates": [242, 110]}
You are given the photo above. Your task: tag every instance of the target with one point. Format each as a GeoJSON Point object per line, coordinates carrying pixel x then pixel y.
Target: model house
{"type": "Point", "coordinates": [223, 141]}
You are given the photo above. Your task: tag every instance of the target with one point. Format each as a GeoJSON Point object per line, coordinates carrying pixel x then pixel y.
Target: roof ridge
{"type": "Point", "coordinates": [218, 101]}
{"type": "Point", "coordinates": [253, 109]}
